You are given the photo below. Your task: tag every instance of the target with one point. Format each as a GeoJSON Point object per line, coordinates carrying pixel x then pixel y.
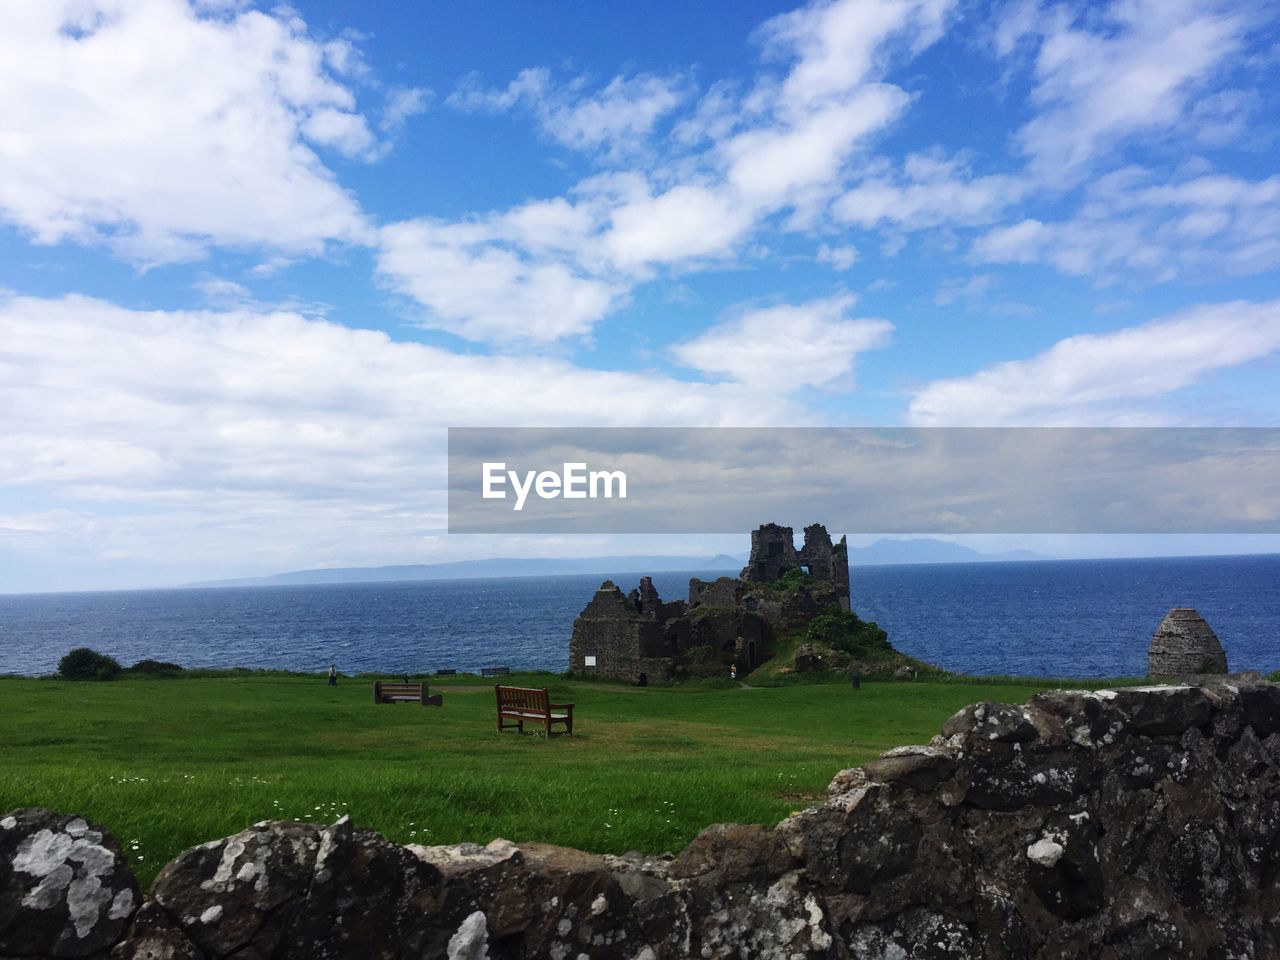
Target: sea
{"type": "Point", "coordinates": [1066, 618]}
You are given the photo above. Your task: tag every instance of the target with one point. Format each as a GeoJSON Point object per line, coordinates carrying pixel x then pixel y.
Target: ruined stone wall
{"type": "Point", "coordinates": [621, 637]}
{"type": "Point", "coordinates": [1121, 825]}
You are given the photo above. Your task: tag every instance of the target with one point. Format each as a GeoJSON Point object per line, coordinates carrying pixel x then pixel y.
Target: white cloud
{"type": "Point", "coordinates": [930, 191]}
{"type": "Point", "coordinates": [1135, 68]}
{"type": "Point", "coordinates": [403, 103]}
{"type": "Point", "coordinates": [972, 288]}
{"type": "Point", "coordinates": [769, 163]}
{"type": "Point", "coordinates": [1134, 223]}
{"type": "Point", "coordinates": [478, 289]}
{"type": "Point", "coordinates": [839, 45]}
{"type": "Point", "coordinates": [220, 291]}
{"type": "Point", "coordinates": [786, 347]}
{"type": "Point", "coordinates": [240, 435]}
{"type": "Point", "coordinates": [616, 119]}
{"type": "Point", "coordinates": [689, 220]}
{"type": "Point", "coordinates": [340, 130]}
{"type": "Point", "coordinates": [161, 130]}
{"type": "Point", "coordinates": [840, 257]}
{"type": "Point", "coordinates": [1093, 379]}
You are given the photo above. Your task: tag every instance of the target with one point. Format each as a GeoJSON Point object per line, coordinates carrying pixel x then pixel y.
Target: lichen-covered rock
{"type": "Point", "coordinates": [994, 722]}
{"type": "Point", "coordinates": [734, 852]}
{"type": "Point", "coordinates": [298, 890]}
{"type": "Point", "coordinates": [920, 768]}
{"type": "Point", "coordinates": [915, 933]}
{"type": "Point", "coordinates": [65, 887]}
{"type": "Point", "coordinates": [1121, 825]}
{"type": "Point", "coordinates": [155, 937]}
{"type": "Point", "coordinates": [1156, 710]}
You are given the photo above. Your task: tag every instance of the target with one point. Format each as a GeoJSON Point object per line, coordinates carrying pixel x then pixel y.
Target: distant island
{"type": "Point", "coordinates": [927, 550]}
{"type": "Point", "coordinates": [883, 551]}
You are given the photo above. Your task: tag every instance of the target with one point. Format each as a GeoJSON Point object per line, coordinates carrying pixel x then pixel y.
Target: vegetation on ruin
{"type": "Point", "coordinates": [168, 763]}
{"type": "Point", "coordinates": [792, 580]}
{"type": "Point", "coordinates": [843, 630]}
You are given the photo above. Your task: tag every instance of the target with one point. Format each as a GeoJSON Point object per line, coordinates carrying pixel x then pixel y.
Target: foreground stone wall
{"type": "Point", "coordinates": [1124, 825]}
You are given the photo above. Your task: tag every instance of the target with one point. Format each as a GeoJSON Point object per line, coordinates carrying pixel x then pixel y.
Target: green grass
{"type": "Point", "coordinates": [166, 764]}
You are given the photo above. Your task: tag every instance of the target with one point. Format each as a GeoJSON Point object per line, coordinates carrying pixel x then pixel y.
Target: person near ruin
{"type": "Point", "coordinates": [855, 678]}
{"type": "Point", "coordinates": [733, 671]}
{"type": "Point", "coordinates": [333, 674]}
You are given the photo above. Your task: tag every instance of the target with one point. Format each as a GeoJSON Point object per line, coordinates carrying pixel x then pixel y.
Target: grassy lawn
{"type": "Point", "coordinates": [166, 764]}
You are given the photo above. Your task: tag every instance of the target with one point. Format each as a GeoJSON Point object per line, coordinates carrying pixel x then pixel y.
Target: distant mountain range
{"type": "Point", "coordinates": [885, 551]}
{"type": "Point", "coordinates": [926, 550]}
{"type": "Point", "coordinates": [486, 569]}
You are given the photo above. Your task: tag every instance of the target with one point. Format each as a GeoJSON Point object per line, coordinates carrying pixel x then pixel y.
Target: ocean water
{"type": "Point", "coordinates": [1084, 618]}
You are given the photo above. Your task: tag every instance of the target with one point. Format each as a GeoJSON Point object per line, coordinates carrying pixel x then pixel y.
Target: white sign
{"type": "Point", "coordinates": [589, 661]}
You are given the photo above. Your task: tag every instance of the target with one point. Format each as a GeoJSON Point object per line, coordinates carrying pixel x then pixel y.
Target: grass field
{"type": "Point", "coordinates": [166, 764]}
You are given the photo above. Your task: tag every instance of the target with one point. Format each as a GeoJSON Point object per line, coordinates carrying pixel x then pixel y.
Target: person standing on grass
{"type": "Point", "coordinates": [733, 671]}
{"type": "Point", "coordinates": [333, 674]}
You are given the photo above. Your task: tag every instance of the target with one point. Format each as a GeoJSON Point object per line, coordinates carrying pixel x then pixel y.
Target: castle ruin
{"type": "Point", "coordinates": [737, 619]}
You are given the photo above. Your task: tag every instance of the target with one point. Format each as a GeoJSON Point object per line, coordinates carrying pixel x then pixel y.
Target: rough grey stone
{"type": "Point", "coordinates": [1160, 710]}
{"type": "Point", "coordinates": [995, 722]}
{"type": "Point", "coordinates": [65, 887]}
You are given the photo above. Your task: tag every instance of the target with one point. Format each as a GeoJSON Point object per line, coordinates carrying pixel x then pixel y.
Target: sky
{"type": "Point", "coordinates": [255, 259]}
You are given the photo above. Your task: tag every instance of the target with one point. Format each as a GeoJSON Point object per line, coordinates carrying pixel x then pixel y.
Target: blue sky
{"type": "Point", "coordinates": [255, 259]}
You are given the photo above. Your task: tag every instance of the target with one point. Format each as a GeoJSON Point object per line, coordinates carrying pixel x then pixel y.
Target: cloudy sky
{"type": "Point", "coordinates": [255, 259]}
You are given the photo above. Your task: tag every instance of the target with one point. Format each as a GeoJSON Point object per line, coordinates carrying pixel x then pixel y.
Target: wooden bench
{"type": "Point", "coordinates": [525, 704]}
{"type": "Point", "coordinates": [495, 671]}
{"type": "Point", "coordinates": [387, 691]}
{"type": "Point", "coordinates": [446, 673]}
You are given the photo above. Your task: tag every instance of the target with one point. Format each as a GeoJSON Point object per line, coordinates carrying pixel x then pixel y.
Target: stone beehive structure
{"type": "Point", "coordinates": [1185, 645]}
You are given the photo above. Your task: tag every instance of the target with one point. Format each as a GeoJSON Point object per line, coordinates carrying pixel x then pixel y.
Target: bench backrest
{"type": "Point", "coordinates": [495, 672]}
{"type": "Point", "coordinates": [446, 673]}
{"type": "Point", "coordinates": [387, 689]}
{"type": "Point", "coordinates": [522, 698]}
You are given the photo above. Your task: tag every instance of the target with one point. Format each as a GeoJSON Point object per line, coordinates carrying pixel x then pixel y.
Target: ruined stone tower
{"type": "Point", "coordinates": [773, 553]}
{"type": "Point", "coordinates": [1184, 645]}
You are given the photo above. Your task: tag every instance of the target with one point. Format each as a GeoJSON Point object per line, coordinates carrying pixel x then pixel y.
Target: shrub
{"type": "Point", "coordinates": [155, 668]}
{"type": "Point", "coordinates": [842, 630]}
{"type": "Point", "coordinates": [85, 664]}
{"type": "Point", "coordinates": [789, 581]}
